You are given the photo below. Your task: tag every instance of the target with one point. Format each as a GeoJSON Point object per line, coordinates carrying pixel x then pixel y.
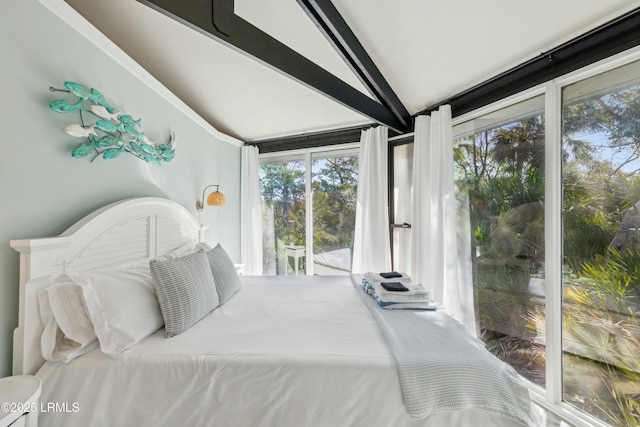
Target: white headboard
{"type": "Point", "coordinates": [122, 231]}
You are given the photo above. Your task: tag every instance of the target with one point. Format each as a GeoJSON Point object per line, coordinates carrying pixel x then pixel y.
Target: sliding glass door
{"type": "Point", "coordinates": [298, 240]}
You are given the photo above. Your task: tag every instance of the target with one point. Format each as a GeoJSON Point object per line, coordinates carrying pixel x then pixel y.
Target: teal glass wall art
{"type": "Point", "coordinates": [112, 132]}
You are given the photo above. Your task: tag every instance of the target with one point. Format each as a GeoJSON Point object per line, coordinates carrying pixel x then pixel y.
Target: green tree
{"type": "Point", "coordinates": [601, 176]}
{"type": "Point", "coordinates": [334, 202]}
{"type": "Point", "coordinates": [501, 171]}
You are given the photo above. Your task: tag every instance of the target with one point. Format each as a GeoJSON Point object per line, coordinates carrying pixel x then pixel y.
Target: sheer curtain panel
{"type": "Point", "coordinates": [250, 213]}
{"type": "Point", "coordinates": [371, 246]}
{"type": "Point", "coordinates": [435, 252]}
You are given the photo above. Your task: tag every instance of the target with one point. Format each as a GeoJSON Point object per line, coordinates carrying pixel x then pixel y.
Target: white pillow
{"type": "Point", "coordinates": [122, 305]}
{"type": "Point", "coordinates": [68, 331]}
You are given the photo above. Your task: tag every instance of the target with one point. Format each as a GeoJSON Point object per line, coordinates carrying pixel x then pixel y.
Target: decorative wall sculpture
{"type": "Point", "coordinates": [112, 133]}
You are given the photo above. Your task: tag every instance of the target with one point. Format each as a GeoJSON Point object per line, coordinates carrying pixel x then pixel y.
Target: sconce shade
{"type": "Point", "coordinates": [216, 199]}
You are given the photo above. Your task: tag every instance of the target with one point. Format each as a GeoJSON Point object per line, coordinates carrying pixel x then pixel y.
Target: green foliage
{"type": "Point", "coordinates": [282, 187]}
{"type": "Point", "coordinates": [625, 410]}
{"type": "Point", "coordinates": [334, 202]}
{"type": "Point", "coordinates": [609, 282]}
{"type": "Point", "coordinates": [600, 315]}
{"type": "Point", "coordinates": [501, 171]}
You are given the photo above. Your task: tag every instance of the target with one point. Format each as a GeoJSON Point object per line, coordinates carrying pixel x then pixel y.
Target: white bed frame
{"type": "Point", "coordinates": [127, 230]}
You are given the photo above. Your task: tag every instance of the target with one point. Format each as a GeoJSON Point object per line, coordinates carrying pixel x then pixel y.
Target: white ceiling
{"type": "Point", "coordinates": [427, 51]}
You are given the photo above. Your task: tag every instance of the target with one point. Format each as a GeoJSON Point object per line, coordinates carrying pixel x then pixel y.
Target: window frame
{"type": "Point", "coordinates": [393, 143]}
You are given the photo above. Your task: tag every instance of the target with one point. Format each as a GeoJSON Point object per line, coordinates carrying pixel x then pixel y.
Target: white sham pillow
{"type": "Point", "coordinates": [68, 331]}
{"type": "Point", "coordinates": [121, 304]}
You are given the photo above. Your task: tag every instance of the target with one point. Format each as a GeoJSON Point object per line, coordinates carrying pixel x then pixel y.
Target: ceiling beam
{"type": "Point", "coordinates": [329, 21]}
{"type": "Point", "coordinates": [309, 140]}
{"type": "Point", "coordinates": [312, 139]}
{"type": "Point", "coordinates": [216, 19]}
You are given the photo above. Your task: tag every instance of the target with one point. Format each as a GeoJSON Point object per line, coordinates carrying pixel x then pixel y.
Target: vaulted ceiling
{"type": "Point", "coordinates": [264, 69]}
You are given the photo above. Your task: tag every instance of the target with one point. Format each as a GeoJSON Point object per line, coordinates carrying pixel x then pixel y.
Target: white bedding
{"type": "Point", "coordinates": [284, 351]}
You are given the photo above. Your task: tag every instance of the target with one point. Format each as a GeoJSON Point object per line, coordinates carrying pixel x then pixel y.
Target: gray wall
{"type": "Point", "coordinates": [43, 190]}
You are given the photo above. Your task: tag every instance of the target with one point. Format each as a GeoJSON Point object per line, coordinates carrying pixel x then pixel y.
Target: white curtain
{"type": "Point", "coordinates": [371, 246]}
{"type": "Point", "coordinates": [436, 255]}
{"type": "Point", "coordinates": [250, 213]}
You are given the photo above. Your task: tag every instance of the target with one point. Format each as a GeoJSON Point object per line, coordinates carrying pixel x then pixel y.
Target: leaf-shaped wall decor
{"type": "Point", "coordinates": [112, 133]}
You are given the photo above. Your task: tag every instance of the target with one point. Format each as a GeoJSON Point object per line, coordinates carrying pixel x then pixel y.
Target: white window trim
{"type": "Point", "coordinates": [553, 248]}
{"type": "Point", "coordinates": [499, 105]}
{"type": "Point", "coordinates": [599, 67]}
{"type": "Point", "coordinates": [308, 213]}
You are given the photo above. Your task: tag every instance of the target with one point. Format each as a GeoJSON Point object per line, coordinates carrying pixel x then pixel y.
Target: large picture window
{"type": "Point", "coordinates": [550, 184]}
{"type": "Point", "coordinates": [601, 245]}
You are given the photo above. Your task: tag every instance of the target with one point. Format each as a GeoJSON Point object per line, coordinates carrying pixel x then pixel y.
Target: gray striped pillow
{"type": "Point", "coordinates": [185, 289]}
{"type": "Point", "coordinates": [224, 273]}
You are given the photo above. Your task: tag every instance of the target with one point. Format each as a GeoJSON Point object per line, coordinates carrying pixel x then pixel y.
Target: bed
{"type": "Point", "coordinates": [281, 351]}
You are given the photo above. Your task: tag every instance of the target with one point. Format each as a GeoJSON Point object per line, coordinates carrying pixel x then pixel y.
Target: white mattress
{"type": "Point", "coordinates": [284, 351]}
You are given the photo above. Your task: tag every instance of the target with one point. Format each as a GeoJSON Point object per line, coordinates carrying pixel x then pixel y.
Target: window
{"type": "Point", "coordinates": [499, 168]}
{"type": "Point", "coordinates": [550, 183]}
{"type": "Point", "coordinates": [601, 245]}
{"type": "Point", "coordinates": [297, 240]}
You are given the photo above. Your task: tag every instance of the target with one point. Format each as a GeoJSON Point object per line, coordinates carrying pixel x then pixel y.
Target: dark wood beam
{"type": "Point", "coordinates": [329, 21]}
{"type": "Point", "coordinates": [314, 139]}
{"type": "Point", "coordinates": [216, 19]}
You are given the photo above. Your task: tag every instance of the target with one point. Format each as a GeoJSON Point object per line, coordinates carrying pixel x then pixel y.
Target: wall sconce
{"type": "Point", "coordinates": [216, 198]}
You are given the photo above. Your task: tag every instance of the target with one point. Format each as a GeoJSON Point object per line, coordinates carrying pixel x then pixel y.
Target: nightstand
{"type": "Point", "coordinates": [296, 252]}
{"type": "Point", "coordinates": [19, 401]}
